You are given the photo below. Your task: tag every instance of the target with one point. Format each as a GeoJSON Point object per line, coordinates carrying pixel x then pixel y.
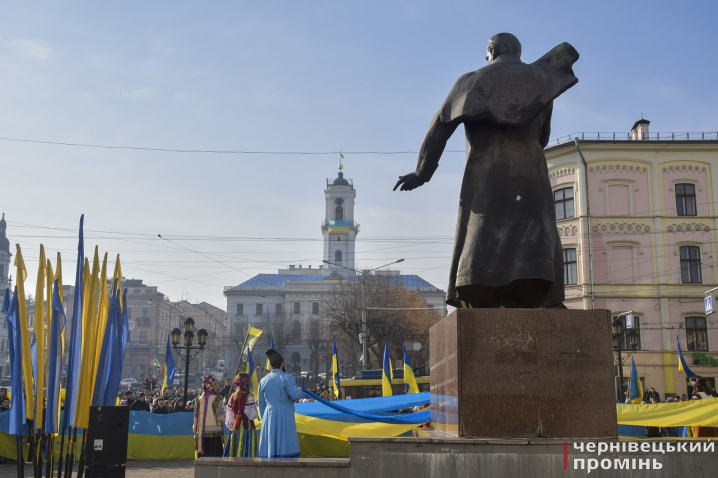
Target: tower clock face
{"type": "Point", "coordinates": [339, 201]}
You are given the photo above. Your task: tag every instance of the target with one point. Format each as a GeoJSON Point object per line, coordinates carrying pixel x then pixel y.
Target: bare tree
{"type": "Point", "coordinates": [394, 315]}
{"type": "Point", "coordinates": [277, 327]}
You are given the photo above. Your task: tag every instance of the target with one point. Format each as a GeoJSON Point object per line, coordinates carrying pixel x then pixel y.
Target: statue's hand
{"type": "Point", "coordinates": [408, 182]}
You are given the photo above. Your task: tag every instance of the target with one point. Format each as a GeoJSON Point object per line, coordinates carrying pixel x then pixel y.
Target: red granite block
{"type": "Point", "coordinates": [523, 373]}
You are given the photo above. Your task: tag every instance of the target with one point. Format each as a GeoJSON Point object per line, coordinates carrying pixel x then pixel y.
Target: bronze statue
{"type": "Point", "coordinates": [507, 252]}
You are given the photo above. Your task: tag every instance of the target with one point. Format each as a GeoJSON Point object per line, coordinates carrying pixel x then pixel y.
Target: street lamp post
{"type": "Point", "coordinates": [188, 340]}
{"type": "Point", "coordinates": [617, 329]}
{"type": "Point", "coordinates": [365, 350]}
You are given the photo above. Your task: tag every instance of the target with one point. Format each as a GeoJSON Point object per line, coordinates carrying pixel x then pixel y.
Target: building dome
{"type": "Point", "coordinates": [340, 181]}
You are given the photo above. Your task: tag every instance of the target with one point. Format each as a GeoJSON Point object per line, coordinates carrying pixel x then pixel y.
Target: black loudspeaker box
{"type": "Point", "coordinates": [111, 472]}
{"type": "Point", "coordinates": [106, 443]}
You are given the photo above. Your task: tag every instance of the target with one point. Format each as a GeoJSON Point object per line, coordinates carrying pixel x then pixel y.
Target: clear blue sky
{"type": "Point", "coordinates": [293, 76]}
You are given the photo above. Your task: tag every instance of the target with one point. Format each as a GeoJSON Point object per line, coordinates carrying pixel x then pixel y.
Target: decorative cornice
{"type": "Point", "coordinates": [621, 228]}
{"type": "Point", "coordinates": [562, 172]}
{"type": "Point", "coordinates": [688, 227]}
{"type": "Point", "coordinates": [684, 167]}
{"type": "Point", "coordinates": [610, 168]}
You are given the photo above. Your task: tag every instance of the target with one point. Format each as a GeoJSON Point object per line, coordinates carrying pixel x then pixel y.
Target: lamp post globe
{"type": "Point", "coordinates": [189, 325]}
{"type": "Point", "coordinates": [202, 338]}
{"type": "Point", "coordinates": [175, 337]}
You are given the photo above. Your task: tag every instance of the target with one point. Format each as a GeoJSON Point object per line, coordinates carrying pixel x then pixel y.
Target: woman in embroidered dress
{"type": "Point", "coordinates": [242, 440]}
{"type": "Point", "coordinates": [208, 418]}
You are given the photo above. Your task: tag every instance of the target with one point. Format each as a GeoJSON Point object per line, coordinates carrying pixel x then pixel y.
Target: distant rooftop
{"type": "Point", "coordinates": [624, 136]}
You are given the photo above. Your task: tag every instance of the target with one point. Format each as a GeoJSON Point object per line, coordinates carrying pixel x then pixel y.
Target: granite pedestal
{"type": "Point", "coordinates": [523, 373]}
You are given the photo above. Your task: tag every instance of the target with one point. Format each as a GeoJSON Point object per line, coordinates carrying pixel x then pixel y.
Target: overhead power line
{"type": "Point", "coordinates": [208, 151]}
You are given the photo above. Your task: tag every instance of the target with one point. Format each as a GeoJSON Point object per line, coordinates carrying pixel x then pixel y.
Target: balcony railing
{"type": "Point", "coordinates": [623, 136]}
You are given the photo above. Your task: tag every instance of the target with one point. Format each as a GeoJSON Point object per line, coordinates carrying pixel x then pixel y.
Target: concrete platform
{"type": "Point", "coordinates": [434, 454]}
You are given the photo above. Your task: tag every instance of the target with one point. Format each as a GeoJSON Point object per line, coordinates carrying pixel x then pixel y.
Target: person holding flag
{"type": "Point", "coordinates": [335, 370]}
{"type": "Point", "coordinates": [253, 380]}
{"type": "Point", "coordinates": [386, 374]}
{"type": "Point", "coordinates": [169, 367]}
{"type": "Point", "coordinates": [242, 441]}
{"type": "Point", "coordinates": [410, 385]}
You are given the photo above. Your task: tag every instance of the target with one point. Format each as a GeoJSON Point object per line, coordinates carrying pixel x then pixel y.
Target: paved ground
{"type": "Point", "coordinates": [135, 469]}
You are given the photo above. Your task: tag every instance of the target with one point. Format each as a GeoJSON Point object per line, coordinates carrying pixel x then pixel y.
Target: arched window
{"type": "Point", "coordinates": [314, 329]}
{"type": "Point", "coordinates": [339, 213]}
{"type": "Point", "coordinates": [296, 331]}
{"type": "Point", "coordinates": [338, 256]}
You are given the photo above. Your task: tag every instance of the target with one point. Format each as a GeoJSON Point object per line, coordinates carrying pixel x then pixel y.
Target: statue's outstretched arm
{"type": "Point", "coordinates": [429, 155]}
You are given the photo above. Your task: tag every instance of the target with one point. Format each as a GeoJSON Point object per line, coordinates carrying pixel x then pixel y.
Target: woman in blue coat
{"type": "Point", "coordinates": [277, 393]}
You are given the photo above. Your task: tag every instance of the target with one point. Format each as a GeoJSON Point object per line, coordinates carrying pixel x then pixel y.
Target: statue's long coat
{"type": "Point", "coordinates": [506, 228]}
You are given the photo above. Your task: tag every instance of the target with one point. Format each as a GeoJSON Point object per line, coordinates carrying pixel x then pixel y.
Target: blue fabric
{"type": "Point", "coordinates": [99, 394]}
{"type": "Point", "coordinates": [169, 364]}
{"type": "Point", "coordinates": [634, 391]}
{"type": "Point", "coordinates": [75, 346]}
{"type": "Point", "coordinates": [17, 402]}
{"type": "Point", "coordinates": [278, 437]}
{"type": "Point", "coordinates": [375, 406]}
{"type": "Point", "coordinates": [54, 361]}
{"type": "Point", "coordinates": [116, 353]}
{"type": "Point", "coordinates": [386, 369]}
{"type": "Point", "coordinates": [406, 363]}
{"type": "Point", "coordinates": [631, 431]}
{"type": "Point", "coordinates": [146, 423]}
{"type": "Point", "coordinates": [397, 419]}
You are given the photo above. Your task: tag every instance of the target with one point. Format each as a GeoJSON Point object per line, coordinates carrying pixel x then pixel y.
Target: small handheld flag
{"type": "Point", "coordinates": [169, 366]}
{"type": "Point", "coordinates": [386, 374]}
{"type": "Point", "coordinates": [682, 367]}
{"type": "Point", "coordinates": [410, 385]}
{"type": "Point", "coordinates": [635, 390]}
{"type": "Point", "coordinates": [335, 370]}
{"type": "Point", "coordinates": [268, 366]}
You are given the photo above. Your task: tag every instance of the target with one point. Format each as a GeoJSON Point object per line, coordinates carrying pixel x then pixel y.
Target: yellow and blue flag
{"type": "Point", "coordinates": [335, 370]}
{"type": "Point", "coordinates": [268, 366]}
{"type": "Point", "coordinates": [682, 367]}
{"type": "Point", "coordinates": [169, 366]}
{"type": "Point", "coordinates": [386, 374]}
{"type": "Point", "coordinates": [253, 375]}
{"type": "Point", "coordinates": [75, 346]}
{"type": "Point", "coordinates": [17, 404]}
{"type": "Point", "coordinates": [54, 362]}
{"type": "Point", "coordinates": [410, 385]}
{"type": "Point", "coordinates": [635, 389]}
{"type": "Point", "coordinates": [22, 323]}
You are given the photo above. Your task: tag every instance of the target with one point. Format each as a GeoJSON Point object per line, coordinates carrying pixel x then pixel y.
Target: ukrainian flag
{"type": "Point", "coordinates": [169, 367]}
{"type": "Point", "coordinates": [335, 370]}
{"type": "Point", "coordinates": [253, 375]}
{"type": "Point", "coordinates": [635, 390]}
{"type": "Point", "coordinates": [271, 346]}
{"type": "Point", "coordinates": [410, 385]}
{"type": "Point", "coordinates": [386, 374]}
{"type": "Point", "coordinates": [682, 367]}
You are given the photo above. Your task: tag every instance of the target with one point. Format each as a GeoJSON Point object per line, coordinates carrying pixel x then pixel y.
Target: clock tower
{"type": "Point", "coordinates": [339, 228]}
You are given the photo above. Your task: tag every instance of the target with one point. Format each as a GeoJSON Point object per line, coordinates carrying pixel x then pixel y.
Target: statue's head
{"type": "Point", "coordinates": [501, 44]}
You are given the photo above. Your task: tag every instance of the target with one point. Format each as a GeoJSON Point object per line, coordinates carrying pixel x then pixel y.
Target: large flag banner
{"type": "Point", "coordinates": [169, 366]}
{"type": "Point", "coordinates": [682, 367]}
{"type": "Point", "coordinates": [410, 385]}
{"type": "Point", "coordinates": [75, 345]}
{"type": "Point", "coordinates": [22, 324]}
{"type": "Point", "coordinates": [39, 337]}
{"type": "Point", "coordinates": [54, 362]}
{"type": "Point", "coordinates": [17, 404]}
{"type": "Point", "coordinates": [386, 374]}
{"type": "Point", "coordinates": [635, 390]}
{"type": "Point", "coordinates": [268, 366]}
{"type": "Point", "coordinates": [253, 376]}
{"type": "Point", "coordinates": [335, 370]}
{"type": "Point", "coordinates": [249, 341]}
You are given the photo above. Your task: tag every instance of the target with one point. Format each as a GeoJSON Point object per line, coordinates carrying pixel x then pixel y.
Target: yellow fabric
{"type": "Point", "coordinates": [315, 446]}
{"type": "Point", "coordinates": [58, 276]}
{"type": "Point", "coordinates": [335, 371]}
{"type": "Point", "coordinates": [103, 309]}
{"type": "Point", "coordinates": [639, 399]}
{"type": "Point", "coordinates": [39, 330]}
{"type": "Point", "coordinates": [153, 447]}
{"type": "Point", "coordinates": [344, 430]}
{"type": "Point", "coordinates": [25, 334]}
{"type": "Point", "coordinates": [89, 339]}
{"type": "Point", "coordinates": [700, 413]}
{"type": "Point", "coordinates": [118, 275]}
{"type": "Point", "coordinates": [410, 379]}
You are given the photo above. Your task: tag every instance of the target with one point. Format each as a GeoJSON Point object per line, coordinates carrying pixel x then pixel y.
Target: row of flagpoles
{"type": "Point", "coordinates": [99, 333]}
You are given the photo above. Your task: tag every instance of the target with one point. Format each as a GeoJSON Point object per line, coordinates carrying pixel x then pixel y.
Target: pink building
{"type": "Point", "coordinates": [648, 244]}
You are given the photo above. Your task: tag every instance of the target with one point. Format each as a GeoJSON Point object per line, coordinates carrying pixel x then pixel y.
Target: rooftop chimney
{"type": "Point", "coordinates": [291, 267]}
{"type": "Point", "coordinates": [640, 130]}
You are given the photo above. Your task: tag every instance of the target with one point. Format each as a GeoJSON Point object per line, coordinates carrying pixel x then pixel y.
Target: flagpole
{"type": "Point", "coordinates": [62, 447]}
{"type": "Point", "coordinates": [49, 445]}
{"type": "Point", "coordinates": [20, 457]}
{"type": "Point", "coordinates": [81, 463]}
